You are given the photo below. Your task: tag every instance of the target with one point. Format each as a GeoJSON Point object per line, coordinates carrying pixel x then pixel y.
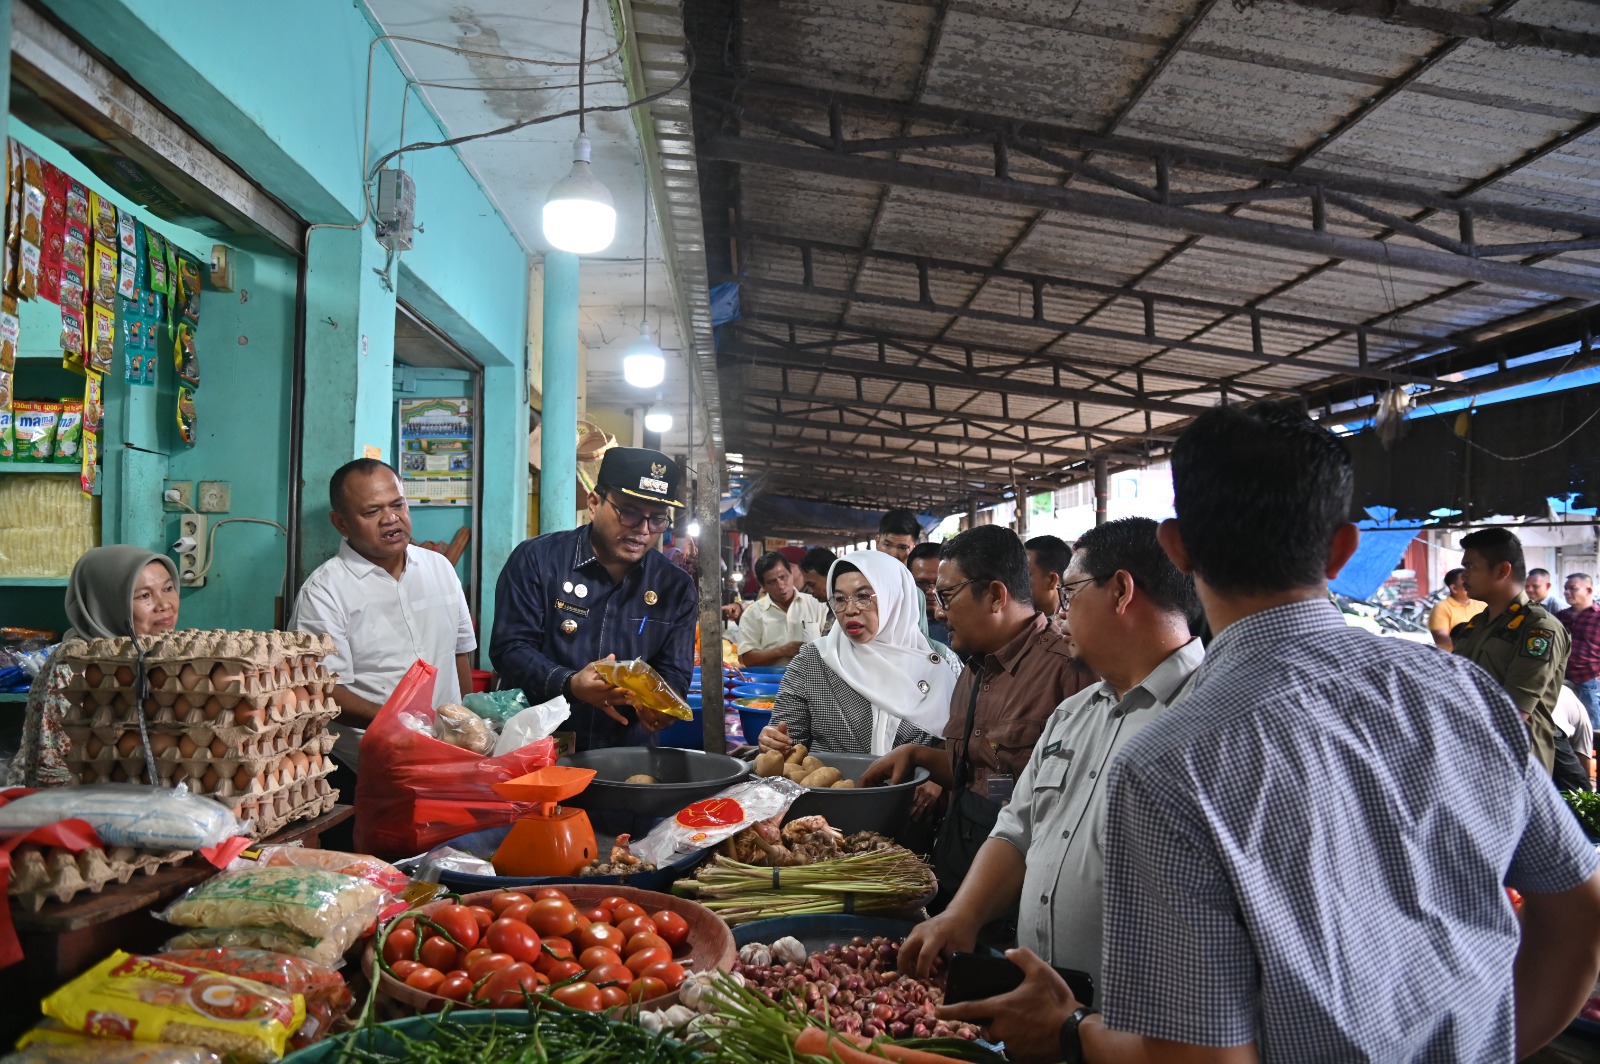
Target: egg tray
{"type": "Point", "coordinates": [227, 778]}
{"type": "Point", "coordinates": [167, 685]}
{"type": "Point", "coordinates": [245, 649]}
{"type": "Point", "coordinates": [271, 811]}
{"type": "Point", "coordinates": [192, 760]}
{"type": "Point", "coordinates": [238, 722]}
{"type": "Point", "coordinates": [41, 874]}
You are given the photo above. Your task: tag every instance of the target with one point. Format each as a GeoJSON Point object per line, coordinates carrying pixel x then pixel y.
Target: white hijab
{"type": "Point", "coordinates": [898, 671]}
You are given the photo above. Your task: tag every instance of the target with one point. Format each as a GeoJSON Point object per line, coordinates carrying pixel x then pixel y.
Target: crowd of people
{"type": "Point", "coordinates": [1157, 756]}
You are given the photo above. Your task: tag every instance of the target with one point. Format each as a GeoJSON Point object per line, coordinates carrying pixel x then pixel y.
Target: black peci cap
{"type": "Point", "coordinates": [641, 473]}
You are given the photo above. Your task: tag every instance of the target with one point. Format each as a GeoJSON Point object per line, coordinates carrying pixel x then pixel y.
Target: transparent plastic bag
{"type": "Point", "coordinates": [327, 997]}
{"type": "Point", "coordinates": [157, 1000]}
{"type": "Point", "coordinates": [381, 873]}
{"type": "Point", "coordinates": [532, 724]}
{"type": "Point", "coordinates": [707, 822]}
{"type": "Point", "coordinates": [649, 690]}
{"type": "Point", "coordinates": [497, 707]}
{"type": "Point", "coordinates": [129, 814]}
{"type": "Point", "coordinates": [52, 1043]}
{"type": "Point", "coordinates": [459, 726]}
{"type": "Point", "coordinates": [307, 912]}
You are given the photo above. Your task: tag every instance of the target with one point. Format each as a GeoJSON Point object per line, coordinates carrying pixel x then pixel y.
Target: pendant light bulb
{"type": "Point", "coordinates": [658, 421]}
{"type": "Point", "coordinates": [694, 530]}
{"type": "Point", "coordinates": [643, 364]}
{"type": "Point", "coordinates": [579, 215]}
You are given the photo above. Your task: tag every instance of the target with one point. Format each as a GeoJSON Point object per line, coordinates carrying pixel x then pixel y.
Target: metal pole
{"type": "Point", "coordinates": [558, 440]}
{"type": "Point", "coordinates": [708, 496]}
{"type": "Point", "coordinates": [1102, 490]}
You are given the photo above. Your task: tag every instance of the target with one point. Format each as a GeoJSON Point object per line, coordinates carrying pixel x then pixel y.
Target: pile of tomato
{"type": "Point", "coordinates": [497, 955]}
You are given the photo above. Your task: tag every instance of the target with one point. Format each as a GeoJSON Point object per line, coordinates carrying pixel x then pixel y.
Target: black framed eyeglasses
{"type": "Point", "coordinates": [632, 518]}
{"type": "Point", "coordinates": [1068, 590]}
{"type": "Point", "coordinates": [947, 595]}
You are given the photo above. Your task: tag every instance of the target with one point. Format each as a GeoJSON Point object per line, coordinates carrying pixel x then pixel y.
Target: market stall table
{"type": "Point", "coordinates": [64, 939]}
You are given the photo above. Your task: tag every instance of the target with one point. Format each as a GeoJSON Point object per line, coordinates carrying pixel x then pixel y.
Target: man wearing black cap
{"type": "Point", "coordinates": [568, 599]}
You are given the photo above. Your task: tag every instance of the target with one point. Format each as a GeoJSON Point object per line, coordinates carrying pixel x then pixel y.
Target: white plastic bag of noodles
{"type": "Point", "coordinates": [129, 814]}
{"type": "Point", "coordinates": [532, 724]}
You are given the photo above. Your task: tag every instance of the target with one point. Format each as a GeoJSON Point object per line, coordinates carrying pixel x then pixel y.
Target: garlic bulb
{"type": "Point", "coordinates": [678, 1015]}
{"type": "Point", "coordinates": [651, 1022]}
{"type": "Point", "coordinates": [788, 950]}
{"type": "Point", "coordinates": [755, 954]}
{"type": "Point", "coordinates": [695, 991]}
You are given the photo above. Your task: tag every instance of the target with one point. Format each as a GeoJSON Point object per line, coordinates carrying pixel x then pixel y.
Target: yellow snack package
{"type": "Point", "coordinates": [650, 691]}
{"type": "Point", "coordinates": [149, 999]}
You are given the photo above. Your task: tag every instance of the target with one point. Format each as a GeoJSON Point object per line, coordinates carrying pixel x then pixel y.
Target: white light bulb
{"type": "Point", "coordinates": [578, 213]}
{"type": "Point", "coordinates": [658, 421]}
{"type": "Point", "coordinates": [694, 529]}
{"type": "Point", "coordinates": [643, 364]}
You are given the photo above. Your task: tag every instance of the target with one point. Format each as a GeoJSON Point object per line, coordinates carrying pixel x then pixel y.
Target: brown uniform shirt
{"type": "Point", "coordinates": [1020, 686]}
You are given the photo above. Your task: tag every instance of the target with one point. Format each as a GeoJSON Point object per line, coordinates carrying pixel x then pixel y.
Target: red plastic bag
{"type": "Point", "coordinates": [414, 792]}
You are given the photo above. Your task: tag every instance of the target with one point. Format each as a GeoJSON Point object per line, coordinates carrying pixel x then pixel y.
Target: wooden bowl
{"type": "Point", "coordinates": [710, 946]}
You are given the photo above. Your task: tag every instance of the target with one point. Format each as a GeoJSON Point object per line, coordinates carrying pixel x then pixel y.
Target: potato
{"type": "Point", "coordinates": [811, 763]}
{"type": "Point", "coordinates": [844, 783]}
{"type": "Point", "coordinates": [797, 754]}
{"type": "Point", "coordinates": [769, 763]}
{"type": "Point", "coordinates": [641, 777]}
{"type": "Point", "coordinates": [794, 772]}
{"type": "Point", "coordinates": [822, 777]}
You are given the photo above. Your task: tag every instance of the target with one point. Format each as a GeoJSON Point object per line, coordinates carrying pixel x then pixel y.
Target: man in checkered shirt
{"type": "Point", "coordinates": [1306, 861]}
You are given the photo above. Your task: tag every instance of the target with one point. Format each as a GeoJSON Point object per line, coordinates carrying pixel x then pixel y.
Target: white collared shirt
{"type": "Point", "coordinates": [764, 626]}
{"type": "Point", "coordinates": [380, 626]}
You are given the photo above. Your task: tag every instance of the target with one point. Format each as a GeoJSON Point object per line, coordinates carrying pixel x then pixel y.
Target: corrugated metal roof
{"type": "Point", "coordinates": [867, 308]}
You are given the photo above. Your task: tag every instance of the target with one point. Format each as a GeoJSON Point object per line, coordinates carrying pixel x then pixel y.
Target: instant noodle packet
{"type": "Point", "coordinates": [152, 999]}
{"type": "Point", "coordinates": [34, 423]}
{"type": "Point", "coordinates": [69, 433]}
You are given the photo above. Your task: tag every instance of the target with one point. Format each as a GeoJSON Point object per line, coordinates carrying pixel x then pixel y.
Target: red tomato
{"type": "Point", "coordinates": [519, 911]}
{"type": "Point", "coordinates": [498, 902]}
{"type": "Point", "coordinates": [438, 953]}
{"type": "Point", "coordinates": [639, 960]}
{"type": "Point", "coordinates": [559, 948]}
{"type": "Point", "coordinates": [404, 968]}
{"type": "Point", "coordinates": [455, 987]}
{"type": "Point", "coordinates": [669, 972]}
{"type": "Point", "coordinates": [561, 971]}
{"type": "Point", "coordinates": [626, 911]}
{"type": "Point", "coordinates": [646, 987]}
{"type": "Point", "coordinates": [598, 956]}
{"type": "Point", "coordinates": [612, 997]}
{"type": "Point", "coordinates": [483, 914]}
{"type": "Point", "coordinates": [494, 962]}
{"type": "Point", "coordinates": [459, 923]}
{"type": "Point", "coordinates": [553, 918]}
{"type": "Point", "coordinates": [600, 935]}
{"type": "Point", "coordinates": [426, 980]}
{"type": "Point", "coordinates": [505, 989]}
{"type": "Point", "coordinates": [400, 945]}
{"type": "Point", "coordinates": [635, 924]}
{"type": "Point", "coordinates": [583, 921]}
{"type": "Point", "coordinates": [613, 901]}
{"type": "Point", "coordinates": [645, 940]}
{"type": "Point", "coordinates": [672, 927]}
{"type": "Point", "coordinates": [608, 974]}
{"type": "Point", "coordinates": [550, 892]}
{"type": "Point", "coordinates": [473, 954]}
{"type": "Point", "coordinates": [597, 915]}
{"type": "Point", "coordinates": [408, 924]}
{"type": "Point", "coordinates": [506, 935]}
{"type": "Point", "coordinates": [585, 996]}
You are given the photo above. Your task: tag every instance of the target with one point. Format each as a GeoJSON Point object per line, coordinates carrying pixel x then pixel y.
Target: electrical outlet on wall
{"type": "Point", "coordinates": [215, 497]}
{"type": "Point", "coordinates": [184, 499]}
{"type": "Point", "coordinates": [193, 550]}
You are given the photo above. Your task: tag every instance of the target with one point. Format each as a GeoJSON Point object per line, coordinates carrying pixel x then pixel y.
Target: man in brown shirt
{"type": "Point", "coordinates": [1018, 670]}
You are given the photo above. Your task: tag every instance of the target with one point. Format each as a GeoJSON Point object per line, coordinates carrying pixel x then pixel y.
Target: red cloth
{"type": "Point", "coordinates": [1583, 664]}
{"type": "Point", "coordinates": [74, 836]}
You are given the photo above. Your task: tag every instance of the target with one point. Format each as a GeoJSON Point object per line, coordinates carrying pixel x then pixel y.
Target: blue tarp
{"type": "Point", "coordinates": [1383, 545]}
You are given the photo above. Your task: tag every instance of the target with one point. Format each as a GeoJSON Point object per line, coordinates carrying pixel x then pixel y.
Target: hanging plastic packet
{"type": "Point", "coordinates": [105, 276]}
{"type": "Point", "coordinates": [184, 356]}
{"type": "Point", "coordinates": [187, 303]}
{"type": "Point", "coordinates": [650, 691]}
{"type": "Point", "coordinates": [51, 249]}
{"type": "Point", "coordinates": [103, 349]}
{"type": "Point", "coordinates": [8, 439]}
{"type": "Point", "coordinates": [102, 220]}
{"type": "Point", "coordinates": [156, 265]}
{"type": "Point", "coordinates": [707, 822]}
{"type": "Point", "coordinates": [94, 409]}
{"type": "Point", "coordinates": [187, 431]}
{"type": "Point", "coordinates": [10, 333]}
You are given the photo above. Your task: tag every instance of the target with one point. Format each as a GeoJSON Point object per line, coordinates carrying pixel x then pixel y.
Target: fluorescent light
{"type": "Point", "coordinates": [579, 215]}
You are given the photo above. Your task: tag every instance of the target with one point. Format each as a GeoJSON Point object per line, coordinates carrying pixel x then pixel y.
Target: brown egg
{"type": "Point", "coordinates": [181, 706]}
{"type": "Point", "coordinates": [161, 742]}
{"type": "Point", "coordinates": [218, 747]}
{"type": "Point", "coordinates": [92, 747]}
{"type": "Point", "coordinates": [220, 676]}
{"type": "Point", "coordinates": [93, 675]}
{"type": "Point", "coordinates": [128, 744]}
{"type": "Point", "coordinates": [158, 677]}
{"type": "Point", "coordinates": [187, 746]}
{"type": "Point", "coordinates": [247, 716]}
{"type": "Point", "coordinates": [213, 708]}
{"type": "Point", "coordinates": [151, 707]}
{"type": "Point", "coordinates": [242, 779]}
{"type": "Point", "coordinates": [118, 774]}
{"type": "Point", "coordinates": [88, 775]}
{"type": "Point", "coordinates": [188, 676]}
{"type": "Point", "coordinates": [210, 779]}
{"type": "Point", "coordinates": [124, 676]}
{"type": "Point", "coordinates": [302, 763]}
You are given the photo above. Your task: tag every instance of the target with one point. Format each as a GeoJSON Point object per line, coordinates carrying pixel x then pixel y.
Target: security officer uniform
{"type": "Point", "coordinates": [557, 608]}
{"type": "Point", "coordinates": [1525, 649]}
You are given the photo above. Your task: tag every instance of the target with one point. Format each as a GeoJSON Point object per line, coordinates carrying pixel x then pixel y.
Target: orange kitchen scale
{"type": "Point", "coordinates": [551, 840]}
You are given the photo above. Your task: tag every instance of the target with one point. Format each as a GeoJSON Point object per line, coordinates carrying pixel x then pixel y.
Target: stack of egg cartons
{"type": "Point", "coordinates": [239, 716]}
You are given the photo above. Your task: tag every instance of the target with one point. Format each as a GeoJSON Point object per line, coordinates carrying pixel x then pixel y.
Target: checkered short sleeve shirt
{"type": "Point", "coordinates": [1295, 856]}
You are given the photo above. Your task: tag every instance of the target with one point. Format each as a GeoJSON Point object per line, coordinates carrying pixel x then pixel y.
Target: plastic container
{"type": "Point", "coordinates": [685, 734]}
{"type": "Point", "coordinates": [751, 721]}
{"type": "Point", "coordinates": [686, 776]}
{"type": "Point", "coordinates": [760, 673]}
{"type": "Point", "coordinates": [755, 690]}
{"type": "Point", "coordinates": [826, 929]}
{"type": "Point", "coordinates": [482, 681]}
{"type": "Point", "coordinates": [484, 843]}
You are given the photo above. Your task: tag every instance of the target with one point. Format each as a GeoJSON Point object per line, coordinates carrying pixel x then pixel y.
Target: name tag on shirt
{"type": "Point", "coordinates": [1054, 749]}
{"type": "Point", "coordinates": [570, 608]}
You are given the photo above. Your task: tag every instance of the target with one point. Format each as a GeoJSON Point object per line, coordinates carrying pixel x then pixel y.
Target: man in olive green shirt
{"type": "Point", "coordinates": [1515, 641]}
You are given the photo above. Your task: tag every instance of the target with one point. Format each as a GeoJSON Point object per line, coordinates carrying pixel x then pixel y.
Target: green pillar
{"type": "Point", "coordinates": [558, 447]}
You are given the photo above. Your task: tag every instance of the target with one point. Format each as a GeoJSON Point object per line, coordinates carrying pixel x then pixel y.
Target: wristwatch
{"type": "Point", "coordinates": [1071, 1047]}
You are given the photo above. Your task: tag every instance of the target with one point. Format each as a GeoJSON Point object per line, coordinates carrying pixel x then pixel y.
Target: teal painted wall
{"type": "Point", "coordinates": [280, 89]}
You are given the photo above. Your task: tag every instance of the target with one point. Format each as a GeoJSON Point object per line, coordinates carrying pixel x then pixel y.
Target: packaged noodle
{"type": "Point", "coordinates": [35, 426]}
{"type": "Point", "coordinates": [359, 865]}
{"type": "Point", "coordinates": [69, 433]}
{"type": "Point", "coordinates": [8, 440]}
{"type": "Point", "coordinates": [650, 690]}
{"type": "Point", "coordinates": [52, 1043]}
{"type": "Point", "coordinates": [308, 912]}
{"type": "Point", "coordinates": [152, 999]}
{"type": "Point", "coordinates": [327, 997]}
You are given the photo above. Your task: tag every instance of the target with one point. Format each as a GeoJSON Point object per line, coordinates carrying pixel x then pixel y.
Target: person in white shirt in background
{"type": "Point", "coordinates": [774, 628]}
{"type": "Point", "coordinates": [385, 603]}
{"type": "Point", "coordinates": [1572, 717]}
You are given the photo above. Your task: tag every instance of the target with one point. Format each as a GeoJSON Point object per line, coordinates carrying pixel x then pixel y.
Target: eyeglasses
{"type": "Point", "coordinates": [861, 601]}
{"type": "Point", "coordinates": [947, 595]}
{"type": "Point", "coordinates": [1069, 590]}
{"type": "Point", "coordinates": [632, 518]}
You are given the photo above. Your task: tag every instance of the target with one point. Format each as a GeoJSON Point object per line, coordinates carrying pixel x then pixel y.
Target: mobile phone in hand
{"type": "Point", "coordinates": [974, 976]}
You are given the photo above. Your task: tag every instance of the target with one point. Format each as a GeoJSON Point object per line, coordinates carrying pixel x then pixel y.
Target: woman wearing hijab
{"type": "Point", "coordinates": [874, 681]}
{"type": "Point", "coordinates": [114, 591]}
